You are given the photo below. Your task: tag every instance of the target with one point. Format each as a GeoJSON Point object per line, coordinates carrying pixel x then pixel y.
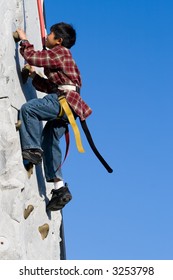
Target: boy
{"type": "Point", "coordinates": [62, 76]}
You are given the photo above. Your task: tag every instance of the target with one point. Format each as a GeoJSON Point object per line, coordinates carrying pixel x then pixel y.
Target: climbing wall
{"type": "Point", "coordinates": [26, 230]}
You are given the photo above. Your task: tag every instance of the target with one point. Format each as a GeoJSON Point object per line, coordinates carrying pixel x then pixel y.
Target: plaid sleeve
{"type": "Point", "coordinates": [44, 58]}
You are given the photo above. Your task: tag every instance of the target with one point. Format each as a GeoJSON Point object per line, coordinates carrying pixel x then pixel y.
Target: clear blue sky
{"type": "Point", "coordinates": [124, 52]}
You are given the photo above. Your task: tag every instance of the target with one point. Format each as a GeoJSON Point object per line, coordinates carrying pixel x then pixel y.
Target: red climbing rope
{"type": "Point", "coordinates": [42, 23]}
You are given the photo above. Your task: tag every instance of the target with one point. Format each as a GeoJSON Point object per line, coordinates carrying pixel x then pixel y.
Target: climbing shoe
{"type": "Point", "coordinates": [59, 199]}
{"type": "Point", "coordinates": [33, 155]}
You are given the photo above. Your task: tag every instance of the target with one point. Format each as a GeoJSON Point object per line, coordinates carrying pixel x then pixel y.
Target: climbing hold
{"type": "Point", "coordinates": [4, 244]}
{"type": "Point", "coordinates": [28, 211]}
{"type": "Point", "coordinates": [18, 124]}
{"type": "Point", "coordinates": [16, 36]}
{"type": "Point", "coordinates": [44, 230]}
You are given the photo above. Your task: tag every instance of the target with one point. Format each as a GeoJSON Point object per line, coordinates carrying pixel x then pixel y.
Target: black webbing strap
{"type": "Point", "coordinates": [93, 147]}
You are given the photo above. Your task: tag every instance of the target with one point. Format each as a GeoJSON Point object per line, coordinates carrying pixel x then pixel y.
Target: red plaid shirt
{"type": "Point", "coordinates": [60, 69]}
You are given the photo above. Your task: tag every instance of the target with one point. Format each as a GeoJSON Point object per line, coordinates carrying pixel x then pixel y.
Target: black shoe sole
{"type": "Point", "coordinates": [36, 160]}
{"type": "Point", "coordinates": [58, 204]}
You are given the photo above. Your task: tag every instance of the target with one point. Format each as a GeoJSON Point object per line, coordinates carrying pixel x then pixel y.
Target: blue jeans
{"type": "Point", "coordinates": [34, 137]}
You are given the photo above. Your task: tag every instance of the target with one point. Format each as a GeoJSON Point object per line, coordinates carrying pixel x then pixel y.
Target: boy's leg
{"type": "Point", "coordinates": [31, 114]}
{"type": "Point", "coordinates": [51, 135]}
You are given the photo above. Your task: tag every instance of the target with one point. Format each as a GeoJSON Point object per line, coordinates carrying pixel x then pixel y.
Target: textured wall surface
{"type": "Point", "coordinates": [26, 230]}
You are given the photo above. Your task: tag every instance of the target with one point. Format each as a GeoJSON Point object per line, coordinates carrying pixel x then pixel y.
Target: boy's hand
{"type": "Point", "coordinates": [30, 68]}
{"type": "Point", "coordinates": [22, 34]}
{"type": "Point", "coordinates": [28, 71]}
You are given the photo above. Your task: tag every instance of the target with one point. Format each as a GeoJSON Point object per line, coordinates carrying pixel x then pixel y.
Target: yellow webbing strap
{"type": "Point", "coordinates": [61, 113]}
{"type": "Point", "coordinates": [67, 110]}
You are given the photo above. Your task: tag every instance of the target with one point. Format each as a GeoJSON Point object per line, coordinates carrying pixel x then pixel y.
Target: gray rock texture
{"type": "Point", "coordinates": [26, 230]}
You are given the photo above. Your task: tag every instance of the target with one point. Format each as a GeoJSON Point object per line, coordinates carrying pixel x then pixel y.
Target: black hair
{"type": "Point", "coordinates": [66, 32]}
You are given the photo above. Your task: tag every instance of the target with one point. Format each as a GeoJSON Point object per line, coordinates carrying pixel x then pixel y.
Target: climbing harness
{"type": "Point", "coordinates": [71, 119]}
{"type": "Point", "coordinates": [65, 108]}
{"type": "Point", "coordinates": [69, 87]}
{"type": "Point", "coordinates": [70, 116]}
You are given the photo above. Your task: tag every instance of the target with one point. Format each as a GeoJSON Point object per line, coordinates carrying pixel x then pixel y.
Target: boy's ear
{"type": "Point", "coordinates": [59, 41]}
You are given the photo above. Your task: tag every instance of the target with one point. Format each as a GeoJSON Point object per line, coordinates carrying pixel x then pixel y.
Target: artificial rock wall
{"type": "Point", "coordinates": [26, 230]}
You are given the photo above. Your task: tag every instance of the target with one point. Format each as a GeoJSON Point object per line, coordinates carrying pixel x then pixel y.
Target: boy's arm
{"type": "Point", "coordinates": [43, 84]}
{"type": "Point", "coordinates": [44, 58]}
{"type": "Point", "coordinates": [40, 83]}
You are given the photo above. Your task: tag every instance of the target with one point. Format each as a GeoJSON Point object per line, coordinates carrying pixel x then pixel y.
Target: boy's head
{"type": "Point", "coordinates": [62, 34]}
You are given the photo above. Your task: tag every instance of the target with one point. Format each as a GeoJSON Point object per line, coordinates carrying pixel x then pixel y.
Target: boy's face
{"type": "Point", "coordinates": [51, 42]}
